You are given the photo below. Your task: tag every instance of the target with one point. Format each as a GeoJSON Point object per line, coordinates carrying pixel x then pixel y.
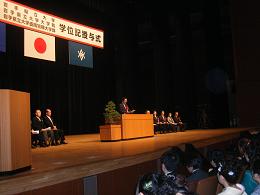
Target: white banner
{"type": "Point", "coordinates": [26, 17]}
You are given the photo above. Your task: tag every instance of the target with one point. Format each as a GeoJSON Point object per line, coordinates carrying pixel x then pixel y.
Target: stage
{"type": "Point", "coordinates": [85, 155]}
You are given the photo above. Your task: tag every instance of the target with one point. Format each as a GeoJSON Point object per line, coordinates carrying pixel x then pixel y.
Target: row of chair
{"type": "Point", "coordinates": [207, 186]}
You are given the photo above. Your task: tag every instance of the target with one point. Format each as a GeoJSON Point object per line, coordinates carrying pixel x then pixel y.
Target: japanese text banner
{"type": "Point", "coordinates": [23, 16]}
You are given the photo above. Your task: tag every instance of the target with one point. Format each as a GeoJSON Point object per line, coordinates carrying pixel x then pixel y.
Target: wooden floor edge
{"type": "Point", "coordinates": [38, 180]}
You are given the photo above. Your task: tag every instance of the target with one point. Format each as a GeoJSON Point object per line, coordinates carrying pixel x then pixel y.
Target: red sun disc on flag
{"type": "Point", "coordinates": [40, 45]}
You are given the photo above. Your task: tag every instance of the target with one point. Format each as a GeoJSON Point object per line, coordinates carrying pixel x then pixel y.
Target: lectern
{"type": "Point", "coordinates": [15, 135]}
{"type": "Point", "coordinates": [137, 126]}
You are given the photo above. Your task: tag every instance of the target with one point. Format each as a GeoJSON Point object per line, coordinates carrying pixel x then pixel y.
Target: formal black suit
{"type": "Point", "coordinates": [38, 124]}
{"type": "Point", "coordinates": [58, 134]}
{"type": "Point", "coordinates": [179, 122]}
{"type": "Point", "coordinates": [123, 108]}
{"type": "Point", "coordinates": [163, 126]}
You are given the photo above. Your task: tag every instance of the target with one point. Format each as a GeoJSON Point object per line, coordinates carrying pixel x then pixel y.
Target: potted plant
{"type": "Point", "coordinates": [111, 115]}
{"type": "Point", "coordinates": [111, 131]}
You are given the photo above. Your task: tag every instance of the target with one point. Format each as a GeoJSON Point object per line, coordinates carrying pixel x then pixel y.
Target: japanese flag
{"type": "Point", "coordinates": [38, 45]}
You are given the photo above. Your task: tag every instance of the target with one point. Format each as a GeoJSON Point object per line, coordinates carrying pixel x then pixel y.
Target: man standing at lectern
{"type": "Point", "coordinates": [124, 108]}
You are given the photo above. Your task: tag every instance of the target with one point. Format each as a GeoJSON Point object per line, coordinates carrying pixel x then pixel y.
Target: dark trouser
{"type": "Point", "coordinates": [163, 128]}
{"type": "Point", "coordinates": [156, 128]}
{"type": "Point", "coordinates": [180, 127]}
{"type": "Point", "coordinates": [59, 135]}
{"type": "Point", "coordinates": [173, 127]}
{"type": "Point", "coordinates": [46, 134]}
{"type": "Point", "coordinates": [36, 139]}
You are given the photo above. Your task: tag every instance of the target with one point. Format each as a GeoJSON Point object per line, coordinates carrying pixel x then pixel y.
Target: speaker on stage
{"type": "Point", "coordinates": [15, 135]}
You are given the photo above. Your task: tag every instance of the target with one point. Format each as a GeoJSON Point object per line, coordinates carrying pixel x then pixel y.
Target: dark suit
{"type": "Point", "coordinates": [58, 134]}
{"type": "Point", "coordinates": [163, 126]}
{"type": "Point", "coordinates": [38, 124]}
{"type": "Point", "coordinates": [123, 108]}
{"type": "Point", "coordinates": [156, 124]}
{"type": "Point", "coordinates": [179, 123]}
{"type": "Point", "coordinates": [162, 119]}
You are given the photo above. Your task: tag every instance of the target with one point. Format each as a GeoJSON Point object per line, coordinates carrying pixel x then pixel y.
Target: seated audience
{"type": "Point", "coordinates": [247, 153]}
{"type": "Point", "coordinates": [190, 150]}
{"type": "Point", "coordinates": [155, 184]}
{"type": "Point", "coordinates": [38, 125]}
{"type": "Point", "coordinates": [178, 121]}
{"type": "Point", "coordinates": [170, 163]}
{"type": "Point", "coordinates": [256, 176]}
{"type": "Point", "coordinates": [50, 124]}
{"type": "Point", "coordinates": [228, 176]}
{"type": "Point", "coordinates": [194, 166]}
{"type": "Point", "coordinates": [149, 184]}
{"type": "Point", "coordinates": [246, 150]}
{"type": "Point", "coordinates": [216, 158]}
{"type": "Point", "coordinates": [248, 182]}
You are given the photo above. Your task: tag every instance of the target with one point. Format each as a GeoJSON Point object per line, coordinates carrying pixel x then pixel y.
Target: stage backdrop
{"type": "Point", "coordinates": [160, 61]}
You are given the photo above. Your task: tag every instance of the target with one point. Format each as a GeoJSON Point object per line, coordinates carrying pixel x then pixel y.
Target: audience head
{"type": "Point", "coordinates": [38, 113]}
{"type": "Point", "coordinates": [154, 112]}
{"type": "Point", "coordinates": [216, 158]}
{"type": "Point", "coordinates": [193, 163]}
{"type": "Point", "coordinates": [157, 184]}
{"type": "Point", "coordinates": [176, 113]}
{"type": "Point", "coordinates": [48, 112]}
{"type": "Point", "coordinates": [246, 148]}
{"type": "Point", "coordinates": [170, 162]}
{"type": "Point", "coordinates": [229, 173]}
{"type": "Point", "coordinates": [170, 114]}
{"type": "Point", "coordinates": [256, 170]}
{"type": "Point", "coordinates": [148, 184]}
{"type": "Point", "coordinates": [181, 154]}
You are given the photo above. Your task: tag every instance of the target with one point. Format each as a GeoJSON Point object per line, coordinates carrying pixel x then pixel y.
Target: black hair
{"type": "Point", "coordinates": [148, 184]}
{"type": "Point", "coordinates": [247, 147]}
{"type": "Point", "coordinates": [231, 171]}
{"type": "Point", "coordinates": [170, 160]}
{"type": "Point", "coordinates": [217, 156]}
{"type": "Point", "coordinates": [195, 162]}
{"type": "Point", "coordinates": [155, 184]}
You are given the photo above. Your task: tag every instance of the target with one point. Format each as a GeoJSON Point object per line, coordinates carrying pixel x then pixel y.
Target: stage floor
{"type": "Point", "coordinates": [86, 155]}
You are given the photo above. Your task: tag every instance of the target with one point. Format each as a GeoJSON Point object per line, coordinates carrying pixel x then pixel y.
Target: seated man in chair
{"type": "Point", "coordinates": [49, 123]}
{"type": "Point", "coordinates": [38, 126]}
{"type": "Point", "coordinates": [178, 121]}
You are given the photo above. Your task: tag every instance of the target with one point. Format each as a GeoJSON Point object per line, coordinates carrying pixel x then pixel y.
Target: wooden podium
{"type": "Point", "coordinates": [137, 125]}
{"type": "Point", "coordinates": [15, 135]}
{"type": "Point", "coordinates": [110, 132]}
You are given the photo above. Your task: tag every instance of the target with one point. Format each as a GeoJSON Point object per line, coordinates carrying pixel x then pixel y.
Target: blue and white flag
{"type": "Point", "coordinates": [2, 37]}
{"type": "Point", "coordinates": [80, 55]}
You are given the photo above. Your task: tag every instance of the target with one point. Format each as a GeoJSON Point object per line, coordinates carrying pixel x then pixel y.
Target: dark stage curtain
{"type": "Point", "coordinates": [164, 71]}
